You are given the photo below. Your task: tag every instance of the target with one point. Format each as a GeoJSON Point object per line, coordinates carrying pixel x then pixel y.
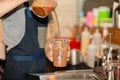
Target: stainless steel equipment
{"type": "Point", "coordinates": [67, 75]}
{"type": "Point", "coordinates": [75, 57]}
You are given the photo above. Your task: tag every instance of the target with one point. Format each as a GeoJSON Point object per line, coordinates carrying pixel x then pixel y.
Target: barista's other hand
{"type": "Point", "coordinates": [48, 50]}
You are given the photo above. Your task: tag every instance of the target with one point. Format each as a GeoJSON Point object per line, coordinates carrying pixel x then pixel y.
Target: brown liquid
{"type": "Point", "coordinates": [39, 11]}
{"type": "Point", "coordinates": [57, 23]}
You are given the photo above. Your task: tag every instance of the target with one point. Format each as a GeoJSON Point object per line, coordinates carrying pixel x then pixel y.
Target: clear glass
{"type": "Point", "coordinates": [61, 49]}
{"type": "Point", "coordinates": [43, 8]}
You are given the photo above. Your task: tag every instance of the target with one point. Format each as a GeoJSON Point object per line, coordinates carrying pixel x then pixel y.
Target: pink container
{"type": "Point", "coordinates": [89, 19]}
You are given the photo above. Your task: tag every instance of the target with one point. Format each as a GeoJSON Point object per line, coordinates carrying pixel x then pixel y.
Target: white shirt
{"type": "Point", "coordinates": [14, 27]}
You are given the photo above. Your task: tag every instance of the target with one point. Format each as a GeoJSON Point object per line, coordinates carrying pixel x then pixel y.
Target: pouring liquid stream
{"type": "Point", "coordinates": [58, 27]}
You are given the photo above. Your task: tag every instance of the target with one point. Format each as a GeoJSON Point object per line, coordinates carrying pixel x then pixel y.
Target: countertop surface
{"type": "Point", "coordinates": [62, 72]}
{"type": "Point", "coordinates": [80, 66]}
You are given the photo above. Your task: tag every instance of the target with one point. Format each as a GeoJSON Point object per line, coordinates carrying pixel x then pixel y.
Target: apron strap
{"type": "Point", "coordinates": [26, 4]}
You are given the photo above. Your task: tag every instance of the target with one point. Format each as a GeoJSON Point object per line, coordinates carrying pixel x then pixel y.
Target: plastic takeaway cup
{"type": "Point", "coordinates": [61, 49]}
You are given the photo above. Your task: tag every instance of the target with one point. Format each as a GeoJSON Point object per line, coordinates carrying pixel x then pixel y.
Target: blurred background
{"type": "Point", "coordinates": [71, 12]}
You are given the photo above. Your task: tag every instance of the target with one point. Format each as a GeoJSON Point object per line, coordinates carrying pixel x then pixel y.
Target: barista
{"type": "Point", "coordinates": [20, 34]}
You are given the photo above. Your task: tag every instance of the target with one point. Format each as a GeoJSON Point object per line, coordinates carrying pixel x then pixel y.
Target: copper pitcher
{"type": "Point", "coordinates": [43, 8]}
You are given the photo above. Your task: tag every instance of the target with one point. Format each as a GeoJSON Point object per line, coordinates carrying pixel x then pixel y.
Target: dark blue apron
{"type": "Point", "coordinates": [27, 57]}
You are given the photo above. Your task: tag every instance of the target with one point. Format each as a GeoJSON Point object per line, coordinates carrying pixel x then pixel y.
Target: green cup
{"type": "Point", "coordinates": [104, 12]}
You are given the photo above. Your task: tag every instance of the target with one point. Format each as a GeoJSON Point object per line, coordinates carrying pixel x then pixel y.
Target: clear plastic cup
{"type": "Point", "coordinates": [43, 8]}
{"type": "Point", "coordinates": [61, 49]}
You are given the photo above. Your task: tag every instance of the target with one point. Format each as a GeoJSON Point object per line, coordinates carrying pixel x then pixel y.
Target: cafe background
{"type": "Point", "coordinates": [70, 12]}
{"type": "Point", "coordinates": [72, 15]}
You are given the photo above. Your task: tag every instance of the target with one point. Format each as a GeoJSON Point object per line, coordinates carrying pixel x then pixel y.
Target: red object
{"type": "Point", "coordinates": [74, 44]}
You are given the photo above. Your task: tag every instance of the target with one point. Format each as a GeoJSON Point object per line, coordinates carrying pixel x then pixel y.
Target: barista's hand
{"type": "Point", "coordinates": [48, 50]}
{"type": "Point", "coordinates": [51, 5]}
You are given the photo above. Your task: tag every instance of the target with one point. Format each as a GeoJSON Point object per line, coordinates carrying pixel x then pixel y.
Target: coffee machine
{"type": "Point", "coordinates": [116, 13]}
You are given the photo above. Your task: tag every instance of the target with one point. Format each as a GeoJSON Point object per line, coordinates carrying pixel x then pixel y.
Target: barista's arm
{"type": "Point", "coordinates": [8, 5]}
